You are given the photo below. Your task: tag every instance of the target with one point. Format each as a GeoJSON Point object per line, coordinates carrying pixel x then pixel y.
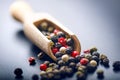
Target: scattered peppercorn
{"type": "Point", "coordinates": [31, 60]}
{"type": "Point", "coordinates": [116, 65]}
{"type": "Point", "coordinates": [18, 72]}
{"type": "Point", "coordinates": [100, 73]}
{"type": "Point", "coordinates": [35, 77]}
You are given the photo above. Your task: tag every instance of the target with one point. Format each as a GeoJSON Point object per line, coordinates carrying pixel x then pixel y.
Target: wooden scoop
{"type": "Point", "coordinates": [22, 12]}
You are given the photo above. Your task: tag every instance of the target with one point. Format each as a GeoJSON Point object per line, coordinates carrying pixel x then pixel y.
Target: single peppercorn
{"type": "Point", "coordinates": [58, 45]}
{"type": "Point", "coordinates": [50, 29]}
{"type": "Point", "coordinates": [54, 39]}
{"type": "Point", "coordinates": [93, 49]}
{"type": "Point", "coordinates": [60, 34]}
{"type": "Point", "coordinates": [95, 58]}
{"type": "Point", "coordinates": [65, 58]}
{"type": "Point", "coordinates": [84, 61]}
{"type": "Point", "coordinates": [62, 41]}
{"type": "Point", "coordinates": [77, 58]}
{"type": "Point", "coordinates": [74, 54]}
{"type": "Point", "coordinates": [69, 72]}
{"type": "Point", "coordinates": [31, 60]}
{"type": "Point", "coordinates": [91, 68]}
{"type": "Point", "coordinates": [80, 75]}
{"type": "Point", "coordinates": [58, 54]}
{"type": "Point", "coordinates": [86, 51]}
{"type": "Point", "coordinates": [72, 65]}
{"type": "Point", "coordinates": [102, 56]}
{"type": "Point", "coordinates": [18, 72]}
{"type": "Point", "coordinates": [69, 50]}
{"type": "Point", "coordinates": [62, 50]}
{"type": "Point", "coordinates": [70, 42]}
{"type": "Point", "coordinates": [54, 50]}
{"type": "Point", "coordinates": [35, 77]}
{"type": "Point", "coordinates": [100, 73]}
{"type": "Point", "coordinates": [105, 62]}
{"type": "Point", "coordinates": [55, 31]}
{"type": "Point", "coordinates": [61, 63]}
{"type": "Point", "coordinates": [43, 67]}
{"type": "Point", "coordinates": [93, 63]}
{"type": "Point", "coordinates": [43, 26]}
{"type": "Point", "coordinates": [71, 59]}
{"type": "Point", "coordinates": [88, 56]}
{"type": "Point", "coordinates": [96, 54]}
{"type": "Point", "coordinates": [116, 65]}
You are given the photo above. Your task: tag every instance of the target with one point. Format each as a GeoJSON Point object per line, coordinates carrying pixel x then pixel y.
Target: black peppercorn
{"type": "Point", "coordinates": [69, 72]}
{"type": "Point", "coordinates": [72, 65]}
{"type": "Point", "coordinates": [100, 73]}
{"type": "Point", "coordinates": [61, 63]}
{"type": "Point", "coordinates": [70, 42]}
{"type": "Point", "coordinates": [96, 54]}
{"type": "Point", "coordinates": [54, 39]}
{"type": "Point", "coordinates": [35, 77]}
{"type": "Point", "coordinates": [95, 58]}
{"type": "Point", "coordinates": [90, 68]}
{"type": "Point", "coordinates": [58, 45]}
{"type": "Point", "coordinates": [18, 71]}
{"type": "Point", "coordinates": [69, 50]}
{"type": "Point", "coordinates": [71, 59]}
{"type": "Point", "coordinates": [105, 62]}
{"type": "Point", "coordinates": [77, 58]}
{"type": "Point", "coordinates": [80, 76]}
{"type": "Point", "coordinates": [60, 34]}
{"type": "Point", "coordinates": [58, 54]}
{"type": "Point", "coordinates": [116, 65]}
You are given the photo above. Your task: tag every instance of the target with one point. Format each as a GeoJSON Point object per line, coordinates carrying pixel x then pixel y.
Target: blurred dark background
{"type": "Point", "coordinates": [96, 23]}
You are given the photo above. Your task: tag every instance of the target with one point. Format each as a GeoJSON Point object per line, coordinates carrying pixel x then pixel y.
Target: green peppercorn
{"type": "Point", "coordinates": [100, 73]}
{"type": "Point", "coordinates": [80, 75]}
{"type": "Point", "coordinates": [50, 29]}
{"type": "Point", "coordinates": [72, 65]}
{"type": "Point", "coordinates": [93, 49]}
{"type": "Point", "coordinates": [49, 69]}
{"type": "Point", "coordinates": [43, 26]}
{"type": "Point", "coordinates": [88, 56]}
{"type": "Point", "coordinates": [102, 56]}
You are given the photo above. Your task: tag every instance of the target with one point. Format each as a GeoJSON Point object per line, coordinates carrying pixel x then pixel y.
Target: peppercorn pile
{"type": "Point", "coordinates": [69, 62]}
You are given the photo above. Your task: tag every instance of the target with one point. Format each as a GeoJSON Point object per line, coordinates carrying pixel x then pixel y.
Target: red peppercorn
{"type": "Point", "coordinates": [54, 50]}
{"type": "Point", "coordinates": [62, 41]}
{"type": "Point", "coordinates": [84, 61]}
{"type": "Point", "coordinates": [43, 67]}
{"type": "Point", "coordinates": [86, 51]}
{"type": "Point", "coordinates": [74, 54]}
{"type": "Point", "coordinates": [31, 60]}
{"type": "Point", "coordinates": [55, 31]}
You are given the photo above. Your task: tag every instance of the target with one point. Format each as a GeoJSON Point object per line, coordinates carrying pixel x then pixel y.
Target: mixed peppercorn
{"type": "Point", "coordinates": [68, 60]}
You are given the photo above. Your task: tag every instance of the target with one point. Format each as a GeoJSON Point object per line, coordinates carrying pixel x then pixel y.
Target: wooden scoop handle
{"type": "Point", "coordinates": [21, 11]}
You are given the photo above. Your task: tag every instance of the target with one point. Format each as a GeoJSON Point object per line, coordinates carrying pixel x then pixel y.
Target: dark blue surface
{"type": "Point", "coordinates": [96, 23]}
